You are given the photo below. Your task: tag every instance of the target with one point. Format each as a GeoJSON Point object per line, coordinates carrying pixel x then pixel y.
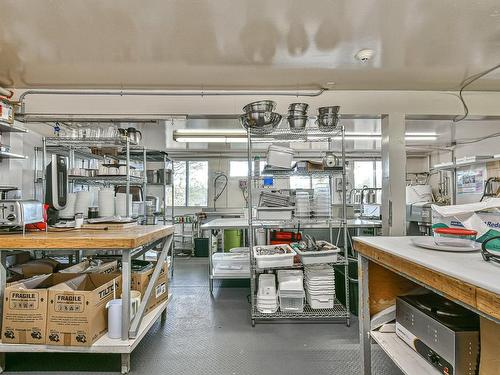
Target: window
{"type": "Point", "coordinates": [305, 182]}
{"type": "Point", "coordinates": [239, 168]}
{"type": "Point", "coordinates": [367, 173]}
{"type": "Point", "coordinates": [190, 183]}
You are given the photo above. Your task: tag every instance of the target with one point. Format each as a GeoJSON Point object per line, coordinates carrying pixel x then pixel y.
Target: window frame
{"type": "Point", "coordinates": [186, 185]}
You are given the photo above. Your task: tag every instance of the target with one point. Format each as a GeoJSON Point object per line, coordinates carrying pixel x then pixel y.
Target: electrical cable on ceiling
{"type": "Point", "coordinates": [465, 83]}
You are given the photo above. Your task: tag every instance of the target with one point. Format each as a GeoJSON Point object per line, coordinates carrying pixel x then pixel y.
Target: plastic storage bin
{"type": "Point", "coordinates": [231, 264]}
{"type": "Point", "coordinates": [291, 302]}
{"type": "Point", "coordinates": [265, 258]}
{"type": "Point", "coordinates": [318, 257]}
{"type": "Point", "coordinates": [279, 157]}
{"type": "Point", "coordinates": [274, 213]}
{"type": "Point", "coordinates": [320, 301]}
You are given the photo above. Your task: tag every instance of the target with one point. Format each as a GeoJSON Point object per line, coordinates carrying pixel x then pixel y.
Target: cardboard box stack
{"type": "Point", "coordinates": [88, 266]}
{"type": "Point", "coordinates": [140, 281]}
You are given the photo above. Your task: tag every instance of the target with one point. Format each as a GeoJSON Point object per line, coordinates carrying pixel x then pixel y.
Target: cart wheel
{"type": "Point", "coordinates": [253, 322]}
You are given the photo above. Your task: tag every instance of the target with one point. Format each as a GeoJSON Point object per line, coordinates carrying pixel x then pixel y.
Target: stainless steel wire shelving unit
{"type": "Point", "coordinates": [335, 139]}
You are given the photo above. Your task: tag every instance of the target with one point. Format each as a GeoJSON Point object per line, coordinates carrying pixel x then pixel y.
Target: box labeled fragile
{"type": "Point", "coordinates": [77, 313]}
{"type": "Point", "coordinates": [25, 309]}
{"type": "Point", "coordinates": [140, 281]}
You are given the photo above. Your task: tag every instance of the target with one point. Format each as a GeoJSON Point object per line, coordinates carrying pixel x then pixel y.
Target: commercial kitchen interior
{"type": "Point", "coordinates": [313, 181]}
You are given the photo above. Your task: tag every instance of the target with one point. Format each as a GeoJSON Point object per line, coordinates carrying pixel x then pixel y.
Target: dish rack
{"type": "Point", "coordinates": [294, 306]}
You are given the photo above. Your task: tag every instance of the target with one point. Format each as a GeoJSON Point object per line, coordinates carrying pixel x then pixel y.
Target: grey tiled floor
{"type": "Point", "coordinates": [205, 336]}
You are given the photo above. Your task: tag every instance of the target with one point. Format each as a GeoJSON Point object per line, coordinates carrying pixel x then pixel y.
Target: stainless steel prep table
{"type": "Point", "coordinates": [242, 223]}
{"type": "Point", "coordinates": [131, 242]}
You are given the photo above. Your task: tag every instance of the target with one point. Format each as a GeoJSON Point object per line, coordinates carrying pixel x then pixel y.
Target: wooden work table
{"type": "Point", "coordinates": [131, 242]}
{"type": "Point", "coordinates": [127, 238]}
{"type": "Point", "coordinates": [392, 266]}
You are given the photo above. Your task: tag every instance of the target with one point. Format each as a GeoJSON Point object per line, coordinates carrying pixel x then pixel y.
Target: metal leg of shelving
{"type": "Point", "coordinates": [210, 266]}
{"type": "Point", "coordinates": [3, 282]}
{"type": "Point", "coordinates": [125, 363]}
{"type": "Point", "coordinates": [126, 280]}
{"type": "Point", "coordinates": [364, 316]}
{"type": "Point", "coordinates": [128, 199]}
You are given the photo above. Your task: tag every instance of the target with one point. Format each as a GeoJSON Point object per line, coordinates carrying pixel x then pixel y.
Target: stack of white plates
{"type": "Point", "coordinates": [106, 202]}
{"type": "Point", "coordinates": [267, 298]}
{"type": "Point", "coordinates": [68, 212]}
{"type": "Point", "coordinates": [121, 204]}
{"type": "Point", "coordinates": [83, 201]}
{"type": "Point", "coordinates": [302, 205]}
{"type": "Point", "coordinates": [322, 201]}
{"type": "Point", "coordinates": [320, 286]}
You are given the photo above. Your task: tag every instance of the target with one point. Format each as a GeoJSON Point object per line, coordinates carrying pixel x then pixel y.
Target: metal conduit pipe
{"type": "Point", "coordinates": [297, 93]}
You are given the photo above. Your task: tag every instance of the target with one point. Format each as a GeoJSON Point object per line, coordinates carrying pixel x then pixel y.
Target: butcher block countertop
{"type": "Point", "coordinates": [463, 277]}
{"type": "Point", "coordinates": [126, 238]}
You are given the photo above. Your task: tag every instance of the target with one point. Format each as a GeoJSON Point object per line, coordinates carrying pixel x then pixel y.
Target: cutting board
{"type": "Point", "coordinates": [109, 225]}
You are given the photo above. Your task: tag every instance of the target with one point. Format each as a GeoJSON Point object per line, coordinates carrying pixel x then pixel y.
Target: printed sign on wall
{"type": "Point", "coordinates": [471, 181]}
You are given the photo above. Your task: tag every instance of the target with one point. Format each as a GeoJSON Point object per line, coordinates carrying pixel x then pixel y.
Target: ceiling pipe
{"type": "Point", "coordinates": [296, 93]}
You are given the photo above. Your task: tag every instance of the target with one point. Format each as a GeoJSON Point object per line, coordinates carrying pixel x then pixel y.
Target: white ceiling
{"type": "Point", "coordinates": [420, 45]}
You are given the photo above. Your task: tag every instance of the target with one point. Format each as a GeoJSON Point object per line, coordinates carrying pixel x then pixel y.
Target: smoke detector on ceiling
{"type": "Point", "coordinates": [364, 55]}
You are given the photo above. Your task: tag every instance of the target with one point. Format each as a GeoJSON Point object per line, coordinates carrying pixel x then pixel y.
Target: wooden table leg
{"type": "Point", "coordinates": [364, 316]}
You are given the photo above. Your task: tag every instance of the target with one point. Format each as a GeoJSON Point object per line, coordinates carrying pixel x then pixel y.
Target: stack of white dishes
{"type": "Point", "coordinates": [121, 204]}
{"type": "Point", "coordinates": [322, 204]}
{"type": "Point", "coordinates": [106, 201]}
{"type": "Point", "coordinates": [320, 286]}
{"type": "Point", "coordinates": [291, 290]}
{"type": "Point", "coordinates": [68, 212]}
{"type": "Point", "coordinates": [83, 201]}
{"type": "Point", "coordinates": [302, 205]}
{"type": "Point", "coordinates": [267, 298]}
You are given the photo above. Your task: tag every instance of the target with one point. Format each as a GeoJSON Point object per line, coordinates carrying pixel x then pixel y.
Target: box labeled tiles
{"type": "Point", "coordinates": [140, 281]}
{"type": "Point", "coordinates": [76, 312]}
{"type": "Point", "coordinates": [25, 309]}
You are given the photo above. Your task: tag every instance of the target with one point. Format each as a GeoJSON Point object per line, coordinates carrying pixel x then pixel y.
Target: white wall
{"type": "Point", "coordinates": [20, 172]}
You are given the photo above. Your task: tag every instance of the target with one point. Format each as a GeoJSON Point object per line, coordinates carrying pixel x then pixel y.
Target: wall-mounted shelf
{"type": "Point", "coordinates": [10, 155]}
{"type": "Point", "coordinates": [9, 128]}
{"type": "Point", "coordinates": [105, 180]}
{"type": "Point", "coordinates": [453, 166]}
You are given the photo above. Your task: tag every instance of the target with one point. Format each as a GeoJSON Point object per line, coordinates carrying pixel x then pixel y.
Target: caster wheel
{"type": "Point", "coordinates": [253, 323]}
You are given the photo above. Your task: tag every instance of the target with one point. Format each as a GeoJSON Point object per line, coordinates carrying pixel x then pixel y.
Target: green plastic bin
{"type": "Point", "coordinates": [353, 285]}
{"type": "Point", "coordinates": [201, 247]}
{"type": "Point", "coordinates": [232, 239]}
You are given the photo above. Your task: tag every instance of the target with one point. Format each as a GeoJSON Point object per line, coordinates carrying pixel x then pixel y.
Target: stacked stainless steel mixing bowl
{"type": "Point", "coordinates": [297, 116]}
{"type": "Point", "coordinates": [259, 117]}
{"type": "Point", "coordinates": [328, 118]}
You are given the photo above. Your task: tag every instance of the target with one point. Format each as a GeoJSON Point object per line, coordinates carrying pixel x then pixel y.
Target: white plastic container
{"type": "Point", "coordinates": [318, 257]}
{"type": "Point", "coordinates": [320, 301]}
{"type": "Point", "coordinates": [292, 302]}
{"type": "Point", "coordinates": [275, 260]}
{"type": "Point", "coordinates": [274, 213]}
{"type": "Point", "coordinates": [225, 264]}
{"type": "Point", "coordinates": [279, 157]}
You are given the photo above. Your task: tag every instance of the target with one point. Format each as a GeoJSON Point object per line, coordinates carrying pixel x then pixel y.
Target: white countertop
{"type": "Point", "coordinates": [242, 223]}
{"type": "Point", "coordinates": [468, 267]}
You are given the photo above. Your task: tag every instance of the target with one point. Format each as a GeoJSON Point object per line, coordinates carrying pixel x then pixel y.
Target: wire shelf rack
{"type": "Point", "coordinates": [312, 133]}
{"type": "Point", "coordinates": [338, 311]}
{"type": "Point", "coordinates": [105, 180]}
{"type": "Point", "coordinates": [340, 261]}
{"type": "Point", "coordinates": [284, 173]}
{"type": "Point", "coordinates": [85, 142]}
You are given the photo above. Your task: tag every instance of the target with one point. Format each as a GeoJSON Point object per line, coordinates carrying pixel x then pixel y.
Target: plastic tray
{"type": "Point", "coordinates": [324, 301]}
{"type": "Point", "coordinates": [318, 257]}
{"type": "Point", "coordinates": [291, 304]}
{"type": "Point", "coordinates": [278, 260]}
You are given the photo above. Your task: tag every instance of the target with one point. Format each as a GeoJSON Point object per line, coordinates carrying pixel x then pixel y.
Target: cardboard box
{"type": "Point", "coordinates": [77, 313]}
{"type": "Point", "coordinates": [87, 267]}
{"type": "Point", "coordinates": [25, 309]}
{"type": "Point", "coordinates": [36, 267]}
{"type": "Point", "coordinates": [140, 281]}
